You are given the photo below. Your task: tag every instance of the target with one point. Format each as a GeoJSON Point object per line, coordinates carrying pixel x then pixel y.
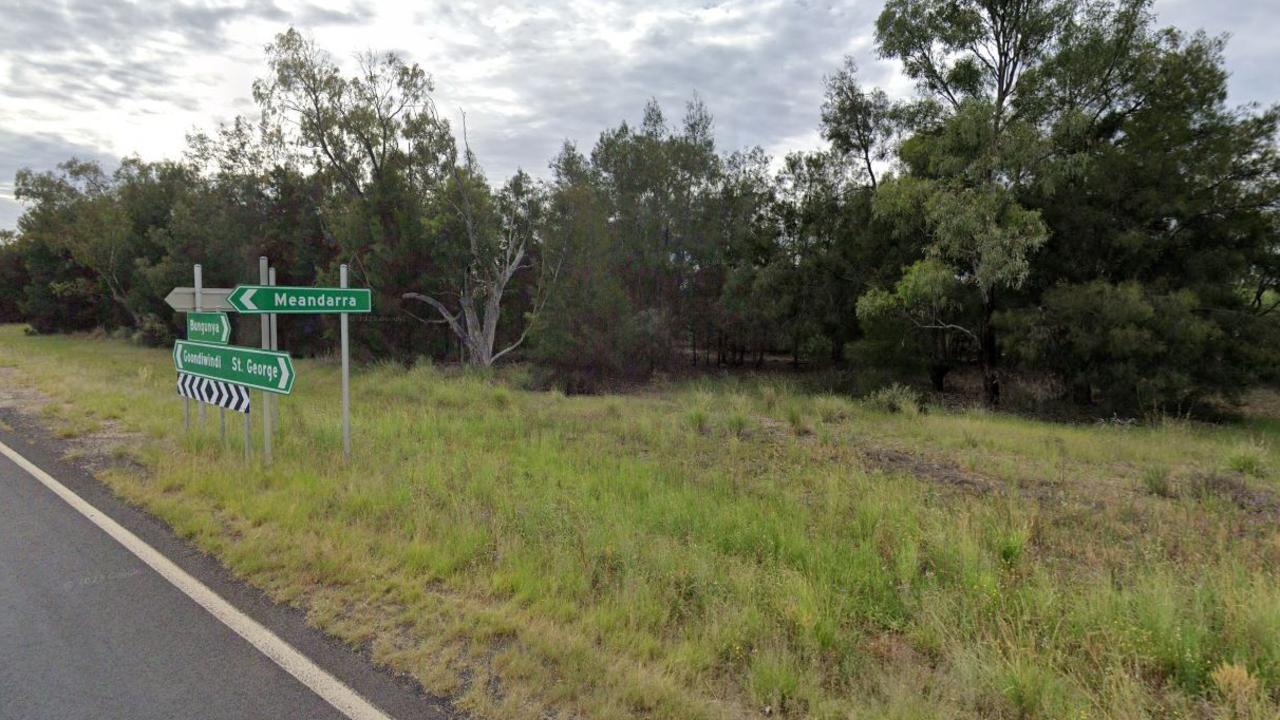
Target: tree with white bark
{"type": "Point", "coordinates": [501, 233]}
{"type": "Point", "coordinates": [403, 207]}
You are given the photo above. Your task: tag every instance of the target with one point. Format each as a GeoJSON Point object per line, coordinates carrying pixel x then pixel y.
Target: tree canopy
{"type": "Point", "coordinates": [1066, 195]}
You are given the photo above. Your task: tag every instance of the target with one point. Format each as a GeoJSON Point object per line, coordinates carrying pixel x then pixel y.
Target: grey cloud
{"type": "Point", "coordinates": [313, 16]}
{"type": "Point", "coordinates": [761, 92]}
{"type": "Point", "coordinates": [553, 75]}
{"type": "Point", "coordinates": [90, 54]}
{"type": "Point", "coordinates": [1251, 48]}
{"type": "Point", "coordinates": [766, 91]}
{"type": "Point", "coordinates": [40, 152]}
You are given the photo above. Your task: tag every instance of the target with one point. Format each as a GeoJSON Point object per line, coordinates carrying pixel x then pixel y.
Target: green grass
{"type": "Point", "coordinates": [725, 548]}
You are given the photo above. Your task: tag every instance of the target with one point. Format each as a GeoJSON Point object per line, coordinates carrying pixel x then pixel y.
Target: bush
{"type": "Point", "coordinates": [1134, 351]}
{"type": "Point", "coordinates": [896, 398]}
{"type": "Point", "coordinates": [154, 332]}
{"type": "Point", "coordinates": [1248, 459]}
{"type": "Point", "coordinates": [737, 425]}
{"type": "Point", "coordinates": [796, 418]}
{"type": "Point", "coordinates": [1156, 480]}
{"type": "Point", "coordinates": [698, 421]}
{"type": "Point", "coordinates": [832, 409]}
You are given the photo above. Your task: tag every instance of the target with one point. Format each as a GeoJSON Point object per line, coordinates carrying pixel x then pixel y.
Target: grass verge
{"type": "Point", "coordinates": [723, 548]}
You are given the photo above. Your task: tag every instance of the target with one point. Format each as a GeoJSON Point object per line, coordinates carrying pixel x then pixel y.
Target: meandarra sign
{"type": "Point", "coordinates": [265, 370]}
{"type": "Point", "coordinates": [262, 299]}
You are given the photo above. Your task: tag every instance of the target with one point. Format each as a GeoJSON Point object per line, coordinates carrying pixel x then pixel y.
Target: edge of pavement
{"type": "Point", "coordinates": [398, 695]}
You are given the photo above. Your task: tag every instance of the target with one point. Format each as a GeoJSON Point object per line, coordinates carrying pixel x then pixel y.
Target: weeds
{"type": "Point", "coordinates": [1248, 459]}
{"type": "Point", "coordinates": [1156, 480]}
{"type": "Point", "coordinates": [615, 556]}
{"type": "Point", "coordinates": [797, 420]}
{"type": "Point", "coordinates": [895, 398]}
{"type": "Point", "coordinates": [698, 421]}
{"type": "Point", "coordinates": [736, 423]}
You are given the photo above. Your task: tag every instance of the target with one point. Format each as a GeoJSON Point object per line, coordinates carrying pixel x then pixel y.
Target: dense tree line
{"type": "Point", "coordinates": [1067, 194]}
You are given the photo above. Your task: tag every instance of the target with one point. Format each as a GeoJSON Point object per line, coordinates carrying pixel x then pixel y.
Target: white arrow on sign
{"type": "Point", "coordinates": [284, 372]}
{"type": "Point", "coordinates": [247, 299]}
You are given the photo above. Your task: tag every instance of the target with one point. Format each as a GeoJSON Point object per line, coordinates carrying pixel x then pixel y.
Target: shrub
{"type": "Point", "coordinates": [832, 409]}
{"type": "Point", "coordinates": [796, 418]}
{"type": "Point", "coordinates": [896, 398]}
{"type": "Point", "coordinates": [769, 394]}
{"type": "Point", "coordinates": [1236, 686]}
{"type": "Point", "coordinates": [501, 397]}
{"type": "Point", "coordinates": [737, 425]}
{"type": "Point", "coordinates": [1248, 459]}
{"type": "Point", "coordinates": [1156, 480]}
{"type": "Point", "coordinates": [698, 420]}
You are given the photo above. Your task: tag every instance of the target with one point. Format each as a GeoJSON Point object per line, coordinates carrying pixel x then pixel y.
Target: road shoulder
{"type": "Point", "coordinates": [397, 695]}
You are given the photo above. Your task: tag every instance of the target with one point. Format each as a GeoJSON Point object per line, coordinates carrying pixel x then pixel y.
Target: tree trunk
{"type": "Point", "coordinates": [1082, 393]}
{"type": "Point", "coordinates": [989, 353]}
{"type": "Point", "coordinates": [938, 376]}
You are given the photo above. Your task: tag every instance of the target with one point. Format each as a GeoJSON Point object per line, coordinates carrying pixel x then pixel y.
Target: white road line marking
{"type": "Point", "coordinates": [331, 689]}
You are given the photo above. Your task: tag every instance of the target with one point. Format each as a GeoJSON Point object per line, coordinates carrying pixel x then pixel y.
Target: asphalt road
{"type": "Point", "coordinates": [87, 630]}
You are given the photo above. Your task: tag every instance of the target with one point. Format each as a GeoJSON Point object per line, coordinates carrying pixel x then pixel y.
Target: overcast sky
{"type": "Point", "coordinates": [103, 79]}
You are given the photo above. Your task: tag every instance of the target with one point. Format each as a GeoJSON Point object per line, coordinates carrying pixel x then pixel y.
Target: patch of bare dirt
{"type": "Point", "coordinates": [1235, 490]}
{"type": "Point", "coordinates": [100, 449]}
{"type": "Point", "coordinates": [943, 473]}
{"type": "Point", "coordinates": [15, 396]}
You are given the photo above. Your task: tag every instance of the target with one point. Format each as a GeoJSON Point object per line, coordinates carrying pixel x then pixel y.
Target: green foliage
{"type": "Point", "coordinates": [1131, 351]}
{"type": "Point", "coordinates": [896, 398]}
{"type": "Point", "coordinates": [618, 561]}
{"type": "Point", "coordinates": [1249, 459]}
{"type": "Point", "coordinates": [1156, 480]}
{"type": "Point", "coordinates": [13, 278]}
{"type": "Point", "coordinates": [1067, 195]}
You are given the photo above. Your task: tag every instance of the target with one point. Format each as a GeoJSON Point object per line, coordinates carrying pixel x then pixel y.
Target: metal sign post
{"type": "Point", "coordinates": [275, 345]}
{"type": "Point", "coordinates": [269, 299]}
{"type": "Point", "coordinates": [199, 284]}
{"type": "Point", "coordinates": [220, 374]}
{"type": "Point", "coordinates": [266, 344]}
{"type": "Point", "coordinates": [346, 372]}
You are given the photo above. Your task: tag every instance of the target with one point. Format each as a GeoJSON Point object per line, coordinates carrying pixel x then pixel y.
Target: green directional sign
{"type": "Point", "coordinates": [209, 327]}
{"type": "Point", "coordinates": [258, 369]}
{"type": "Point", "coordinates": [260, 299]}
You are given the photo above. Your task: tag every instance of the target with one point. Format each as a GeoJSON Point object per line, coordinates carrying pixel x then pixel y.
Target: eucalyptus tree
{"type": "Point", "coordinates": [860, 121]}
{"type": "Point", "coordinates": [972, 59]}
{"type": "Point", "coordinates": [502, 237]}
{"type": "Point", "coordinates": [396, 179]}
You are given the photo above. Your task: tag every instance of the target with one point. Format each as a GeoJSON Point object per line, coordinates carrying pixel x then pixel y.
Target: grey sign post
{"type": "Point", "coordinates": [199, 285]}
{"type": "Point", "coordinates": [266, 345]}
{"type": "Point", "coordinates": [346, 372]}
{"type": "Point", "coordinates": [275, 345]}
{"type": "Point", "coordinates": [268, 299]}
{"type": "Point", "coordinates": [183, 299]}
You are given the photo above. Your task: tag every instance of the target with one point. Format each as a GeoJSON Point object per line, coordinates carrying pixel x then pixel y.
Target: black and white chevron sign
{"type": "Point", "coordinates": [215, 392]}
